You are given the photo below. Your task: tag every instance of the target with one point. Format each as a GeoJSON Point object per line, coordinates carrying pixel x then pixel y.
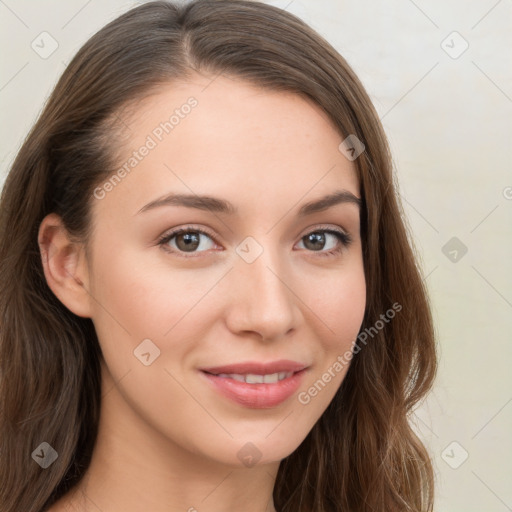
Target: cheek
{"type": "Point", "coordinates": [338, 309]}
{"type": "Point", "coordinates": [136, 299]}
{"type": "Point", "coordinates": [339, 303]}
{"type": "Point", "coordinates": [141, 297]}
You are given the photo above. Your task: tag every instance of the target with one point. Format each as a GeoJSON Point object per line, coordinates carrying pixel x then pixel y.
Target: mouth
{"type": "Point", "coordinates": [252, 378]}
{"type": "Point", "coordinates": [257, 385]}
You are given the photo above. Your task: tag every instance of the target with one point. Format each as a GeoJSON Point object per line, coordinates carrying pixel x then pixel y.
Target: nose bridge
{"type": "Point", "coordinates": [263, 299]}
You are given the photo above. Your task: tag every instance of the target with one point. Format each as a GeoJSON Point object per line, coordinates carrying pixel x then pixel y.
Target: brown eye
{"type": "Point", "coordinates": [315, 241]}
{"type": "Point", "coordinates": [327, 241]}
{"type": "Point", "coordinates": [186, 240]}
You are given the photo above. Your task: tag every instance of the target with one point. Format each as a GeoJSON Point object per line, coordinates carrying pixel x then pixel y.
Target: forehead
{"type": "Point", "coordinates": [226, 137]}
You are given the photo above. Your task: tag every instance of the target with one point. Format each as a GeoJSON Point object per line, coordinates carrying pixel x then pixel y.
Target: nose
{"type": "Point", "coordinates": [263, 301]}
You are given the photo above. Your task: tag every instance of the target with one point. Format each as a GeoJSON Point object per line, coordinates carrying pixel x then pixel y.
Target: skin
{"type": "Point", "coordinates": [167, 440]}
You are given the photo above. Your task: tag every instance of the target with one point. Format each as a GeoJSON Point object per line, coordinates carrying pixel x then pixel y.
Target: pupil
{"type": "Point", "coordinates": [191, 241]}
{"type": "Point", "coordinates": [318, 240]}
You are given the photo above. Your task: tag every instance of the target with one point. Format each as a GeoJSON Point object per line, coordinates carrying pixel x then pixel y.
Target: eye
{"type": "Point", "coordinates": [187, 240]}
{"type": "Point", "coordinates": [192, 240]}
{"type": "Point", "coordinates": [332, 240]}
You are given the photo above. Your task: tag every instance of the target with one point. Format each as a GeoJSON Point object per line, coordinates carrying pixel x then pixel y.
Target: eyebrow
{"type": "Point", "coordinates": [214, 204]}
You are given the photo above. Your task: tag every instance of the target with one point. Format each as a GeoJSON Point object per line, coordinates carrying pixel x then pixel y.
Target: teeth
{"type": "Point", "coordinates": [271, 378]}
{"type": "Point", "coordinates": [254, 379]}
{"type": "Point", "coordinates": [251, 378]}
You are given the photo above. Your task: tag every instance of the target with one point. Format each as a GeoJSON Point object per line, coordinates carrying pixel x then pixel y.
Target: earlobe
{"type": "Point", "coordinates": [65, 265]}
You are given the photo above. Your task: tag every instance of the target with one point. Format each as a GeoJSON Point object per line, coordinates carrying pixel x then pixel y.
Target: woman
{"type": "Point", "coordinates": [208, 297]}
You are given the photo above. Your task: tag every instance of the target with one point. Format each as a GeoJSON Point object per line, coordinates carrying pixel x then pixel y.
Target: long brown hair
{"type": "Point", "coordinates": [362, 454]}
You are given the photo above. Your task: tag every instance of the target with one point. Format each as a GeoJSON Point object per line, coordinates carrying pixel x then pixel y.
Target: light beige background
{"type": "Point", "coordinates": [449, 122]}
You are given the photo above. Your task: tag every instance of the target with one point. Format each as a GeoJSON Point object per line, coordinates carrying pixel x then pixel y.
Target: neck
{"type": "Point", "coordinates": [134, 467]}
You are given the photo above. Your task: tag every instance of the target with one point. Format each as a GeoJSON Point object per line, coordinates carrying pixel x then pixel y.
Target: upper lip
{"type": "Point", "coordinates": [257, 368]}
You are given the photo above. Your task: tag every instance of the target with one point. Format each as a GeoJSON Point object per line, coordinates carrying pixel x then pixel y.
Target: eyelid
{"type": "Point", "coordinates": [325, 227]}
{"type": "Point", "coordinates": [189, 227]}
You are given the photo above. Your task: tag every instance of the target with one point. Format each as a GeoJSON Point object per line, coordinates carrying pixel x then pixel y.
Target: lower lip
{"type": "Point", "coordinates": [257, 396]}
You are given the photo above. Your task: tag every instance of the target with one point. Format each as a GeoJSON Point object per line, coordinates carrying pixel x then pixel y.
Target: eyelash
{"type": "Point", "coordinates": [344, 238]}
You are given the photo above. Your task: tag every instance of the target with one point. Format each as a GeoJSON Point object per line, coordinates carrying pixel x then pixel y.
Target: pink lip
{"type": "Point", "coordinates": [283, 365]}
{"type": "Point", "coordinates": [257, 396]}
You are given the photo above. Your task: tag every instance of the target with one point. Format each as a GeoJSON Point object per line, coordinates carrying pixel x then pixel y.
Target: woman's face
{"type": "Point", "coordinates": [258, 280]}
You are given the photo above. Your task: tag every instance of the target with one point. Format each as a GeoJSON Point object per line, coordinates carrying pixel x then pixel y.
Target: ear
{"type": "Point", "coordinates": [65, 265]}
